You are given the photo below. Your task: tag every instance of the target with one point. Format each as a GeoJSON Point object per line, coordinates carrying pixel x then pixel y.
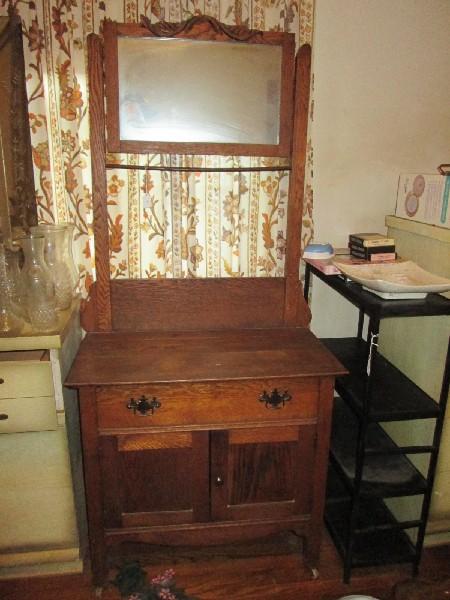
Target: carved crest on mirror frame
{"type": "Point", "coordinates": [239, 33]}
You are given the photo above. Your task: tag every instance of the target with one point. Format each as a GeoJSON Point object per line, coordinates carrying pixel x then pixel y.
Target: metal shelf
{"type": "Point", "coordinates": [393, 396]}
{"type": "Point", "coordinates": [366, 466]}
{"type": "Point", "coordinates": [384, 474]}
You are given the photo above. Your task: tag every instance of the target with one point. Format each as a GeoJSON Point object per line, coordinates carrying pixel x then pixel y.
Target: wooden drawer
{"type": "Point", "coordinates": [25, 374]}
{"type": "Point", "coordinates": [27, 414]}
{"type": "Point", "coordinates": [207, 403]}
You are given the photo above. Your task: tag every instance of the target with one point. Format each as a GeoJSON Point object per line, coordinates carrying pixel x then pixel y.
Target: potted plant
{"type": "Point", "coordinates": [133, 583]}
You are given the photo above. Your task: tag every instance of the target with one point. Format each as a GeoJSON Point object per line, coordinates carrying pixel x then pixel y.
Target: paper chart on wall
{"type": "Point", "coordinates": [424, 198]}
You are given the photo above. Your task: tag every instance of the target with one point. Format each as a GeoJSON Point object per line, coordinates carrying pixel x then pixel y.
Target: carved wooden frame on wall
{"type": "Point", "coordinates": [248, 43]}
{"type": "Point", "coordinates": [17, 191]}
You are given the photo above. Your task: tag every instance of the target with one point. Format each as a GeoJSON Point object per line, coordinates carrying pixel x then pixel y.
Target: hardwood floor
{"type": "Point", "coordinates": [270, 577]}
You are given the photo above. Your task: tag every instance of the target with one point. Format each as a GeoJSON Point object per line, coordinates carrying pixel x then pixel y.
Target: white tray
{"type": "Point", "coordinates": [396, 280]}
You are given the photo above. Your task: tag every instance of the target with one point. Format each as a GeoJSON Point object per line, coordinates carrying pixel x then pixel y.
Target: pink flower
{"type": "Point", "coordinates": [165, 578]}
{"type": "Point", "coordinates": [166, 594]}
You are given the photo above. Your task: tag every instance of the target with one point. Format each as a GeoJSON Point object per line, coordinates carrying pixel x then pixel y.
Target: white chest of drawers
{"type": "Point", "coordinates": [39, 478]}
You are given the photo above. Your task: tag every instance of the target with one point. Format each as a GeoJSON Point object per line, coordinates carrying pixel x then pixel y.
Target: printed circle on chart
{"type": "Point", "coordinates": [411, 204]}
{"type": "Point", "coordinates": [412, 198]}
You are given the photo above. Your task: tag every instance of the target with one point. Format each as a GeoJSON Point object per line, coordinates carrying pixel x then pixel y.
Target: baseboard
{"type": "Point", "coordinates": [42, 562]}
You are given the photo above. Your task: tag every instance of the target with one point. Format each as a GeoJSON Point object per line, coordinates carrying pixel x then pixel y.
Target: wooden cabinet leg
{"type": "Point", "coordinates": [99, 570]}
{"type": "Point", "coordinates": [311, 552]}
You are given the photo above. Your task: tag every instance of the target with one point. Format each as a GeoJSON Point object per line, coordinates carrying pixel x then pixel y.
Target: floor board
{"type": "Point", "coordinates": [275, 576]}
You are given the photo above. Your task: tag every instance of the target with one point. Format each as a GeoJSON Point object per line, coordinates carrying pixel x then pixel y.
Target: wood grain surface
{"type": "Point", "coordinates": [135, 358]}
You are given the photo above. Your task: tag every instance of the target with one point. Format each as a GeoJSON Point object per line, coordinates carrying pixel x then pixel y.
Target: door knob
{"type": "Point", "coordinates": [218, 481]}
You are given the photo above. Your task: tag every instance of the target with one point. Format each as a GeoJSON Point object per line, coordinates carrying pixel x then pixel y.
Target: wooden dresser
{"type": "Point", "coordinates": [205, 403]}
{"type": "Point", "coordinates": [203, 437]}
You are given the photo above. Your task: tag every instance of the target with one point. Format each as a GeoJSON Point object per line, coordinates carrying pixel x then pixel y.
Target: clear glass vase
{"type": "Point", "coordinates": [68, 256]}
{"type": "Point", "coordinates": [38, 284]}
{"type": "Point", "coordinates": [11, 324]}
{"type": "Point", "coordinates": [16, 290]}
{"type": "Point", "coordinates": [54, 254]}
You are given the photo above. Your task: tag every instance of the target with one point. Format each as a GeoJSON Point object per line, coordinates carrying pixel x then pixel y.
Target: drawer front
{"type": "Point", "coordinates": [207, 404]}
{"type": "Point", "coordinates": [27, 414]}
{"type": "Point", "coordinates": [27, 379]}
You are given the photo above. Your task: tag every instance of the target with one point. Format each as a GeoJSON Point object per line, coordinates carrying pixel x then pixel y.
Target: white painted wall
{"type": "Point", "coordinates": [382, 107]}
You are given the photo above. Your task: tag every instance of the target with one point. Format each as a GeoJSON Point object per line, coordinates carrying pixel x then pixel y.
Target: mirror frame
{"type": "Point", "coordinates": [202, 28]}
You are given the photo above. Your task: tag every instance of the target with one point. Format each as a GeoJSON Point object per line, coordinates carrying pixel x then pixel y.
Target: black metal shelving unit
{"type": "Point", "coordinates": [366, 467]}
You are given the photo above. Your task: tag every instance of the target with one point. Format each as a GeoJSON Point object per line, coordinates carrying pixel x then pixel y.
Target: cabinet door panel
{"type": "Point", "coordinates": [155, 479]}
{"type": "Point", "coordinates": [262, 473]}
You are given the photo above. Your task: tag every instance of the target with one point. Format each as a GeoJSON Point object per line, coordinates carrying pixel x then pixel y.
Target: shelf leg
{"type": "Point", "coordinates": [307, 282]}
{"type": "Point", "coordinates": [360, 323]}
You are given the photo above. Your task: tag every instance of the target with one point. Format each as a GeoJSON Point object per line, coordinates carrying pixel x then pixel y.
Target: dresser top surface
{"type": "Point", "coordinates": [31, 340]}
{"type": "Point", "coordinates": [129, 358]}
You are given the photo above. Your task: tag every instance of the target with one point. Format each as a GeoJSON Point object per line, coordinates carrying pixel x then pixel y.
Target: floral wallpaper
{"type": "Point", "coordinates": [161, 223]}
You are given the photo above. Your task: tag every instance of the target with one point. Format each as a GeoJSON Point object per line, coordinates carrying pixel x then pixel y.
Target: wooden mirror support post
{"type": "Point", "coordinates": [205, 403]}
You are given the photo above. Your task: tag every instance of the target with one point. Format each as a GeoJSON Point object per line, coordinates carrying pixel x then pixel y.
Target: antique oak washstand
{"type": "Point", "coordinates": [205, 403]}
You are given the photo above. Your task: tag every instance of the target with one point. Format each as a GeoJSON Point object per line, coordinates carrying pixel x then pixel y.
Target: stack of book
{"type": "Point", "coordinates": [373, 247]}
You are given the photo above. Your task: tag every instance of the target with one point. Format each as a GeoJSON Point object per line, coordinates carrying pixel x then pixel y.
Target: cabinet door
{"type": "Point", "coordinates": [155, 478]}
{"type": "Point", "coordinates": [262, 473]}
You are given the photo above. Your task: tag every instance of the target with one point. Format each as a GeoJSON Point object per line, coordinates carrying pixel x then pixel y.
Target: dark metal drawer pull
{"type": "Point", "coordinates": [143, 406]}
{"type": "Point", "coordinates": [2, 380]}
{"type": "Point", "coordinates": [3, 416]}
{"type": "Point", "coordinates": [275, 399]}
